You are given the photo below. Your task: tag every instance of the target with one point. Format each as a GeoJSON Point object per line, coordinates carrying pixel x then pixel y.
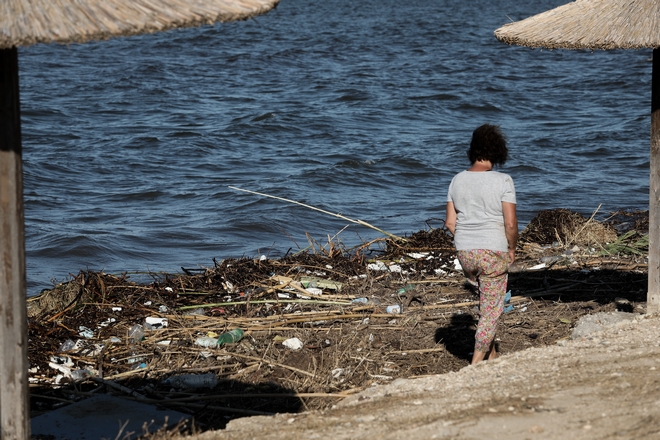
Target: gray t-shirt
{"type": "Point", "coordinates": [478, 198]}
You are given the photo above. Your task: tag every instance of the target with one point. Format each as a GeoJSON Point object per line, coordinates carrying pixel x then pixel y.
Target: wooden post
{"type": "Point", "coordinates": [14, 395]}
{"type": "Point", "coordinates": [653, 295]}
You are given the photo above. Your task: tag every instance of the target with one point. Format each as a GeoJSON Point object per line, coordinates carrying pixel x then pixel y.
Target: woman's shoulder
{"type": "Point", "coordinates": [500, 175]}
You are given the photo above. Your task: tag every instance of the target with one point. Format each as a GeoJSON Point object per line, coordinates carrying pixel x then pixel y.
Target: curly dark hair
{"type": "Point", "coordinates": [488, 143]}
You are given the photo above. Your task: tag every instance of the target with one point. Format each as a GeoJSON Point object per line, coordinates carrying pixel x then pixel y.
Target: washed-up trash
{"type": "Point", "coordinates": [198, 311]}
{"type": "Point", "coordinates": [320, 283]}
{"type": "Point", "coordinates": [206, 341]}
{"type": "Point", "coordinates": [134, 359]}
{"type": "Point", "coordinates": [107, 322]}
{"type": "Point", "coordinates": [507, 299]}
{"type": "Point", "coordinates": [136, 333]}
{"type": "Point", "coordinates": [314, 290]}
{"type": "Point", "coordinates": [550, 260]}
{"type": "Point", "coordinates": [78, 375]}
{"type": "Point", "coordinates": [153, 323]}
{"type": "Point", "coordinates": [393, 309]}
{"type": "Point", "coordinates": [208, 380]}
{"type": "Point", "coordinates": [62, 364]}
{"type": "Point", "coordinates": [538, 266]}
{"type": "Point", "coordinates": [405, 289]}
{"type": "Point", "coordinates": [293, 344]}
{"type": "Point", "coordinates": [457, 265]}
{"type": "Point", "coordinates": [366, 301]}
{"type": "Point", "coordinates": [87, 348]}
{"type": "Point", "coordinates": [212, 340]}
{"type": "Point", "coordinates": [67, 345]}
{"type": "Point", "coordinates": [85, 332]}
{"type": "Point", "coordinates": [378, 265]}
{"type": "Point", "coordinates": [231, 336]}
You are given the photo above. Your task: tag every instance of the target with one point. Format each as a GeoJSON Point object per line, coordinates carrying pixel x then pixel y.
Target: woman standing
{"type": "Point", "coordinates": [481, 214]}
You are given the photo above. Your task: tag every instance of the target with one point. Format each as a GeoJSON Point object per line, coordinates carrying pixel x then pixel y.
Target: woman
{"type": "Point", "coordinates": [481, 214]}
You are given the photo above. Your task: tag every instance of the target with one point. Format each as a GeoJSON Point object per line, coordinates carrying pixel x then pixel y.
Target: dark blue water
{"type": "Point", "coordinates": [363, 108]}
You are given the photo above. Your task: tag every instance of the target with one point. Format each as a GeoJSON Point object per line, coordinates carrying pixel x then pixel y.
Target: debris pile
{"type": "Point", "coordinates": [259, 336]}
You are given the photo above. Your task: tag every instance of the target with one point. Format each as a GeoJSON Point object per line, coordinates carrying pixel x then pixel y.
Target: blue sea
{"type": "Point", "coordinates": [363, 108]}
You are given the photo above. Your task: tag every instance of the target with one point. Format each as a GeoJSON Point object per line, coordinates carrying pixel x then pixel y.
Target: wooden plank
{"type": "Point", "coordinates": [14, 391]}
{"type": "Point", "coordinates": [653, 295]}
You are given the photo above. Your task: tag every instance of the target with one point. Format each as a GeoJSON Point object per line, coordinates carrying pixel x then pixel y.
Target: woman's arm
{"type": "Point", "coordinates": [510, 228]}
{"type": "Point", "coordinates": [450, 219]}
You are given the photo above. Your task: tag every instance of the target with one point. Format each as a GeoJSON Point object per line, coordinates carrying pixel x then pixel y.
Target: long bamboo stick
{"type": "Point", "coordinates": [343, 217]}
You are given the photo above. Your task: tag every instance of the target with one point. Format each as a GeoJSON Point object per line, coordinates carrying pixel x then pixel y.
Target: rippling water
{"type": "Point", "coordinates": [361, 108]}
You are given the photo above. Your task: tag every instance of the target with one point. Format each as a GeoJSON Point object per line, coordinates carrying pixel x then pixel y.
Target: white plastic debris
{"type": "Point", "coordinates": [85, 332]}
{"type": "Point", "coordinates": [169, 289]}
{"type": "Point", "coordinates": [67, 345]}
{"type": "Point", "coordinates": [293, 344]}
{"type": "Point", "coordinates": [263, 258]}
{"type": "Point", "coordinates": [457, 264]}
{"type": "Point", "coordinates": [206, 341]}
{"type": "Point", "coordinates": [107, 322]}
{"type": "Point", "coordinates": [378, 265]}
{"type": "Point", "coordinates": [537, 267]}
{"type": "Point", "coordinates": [394, 309]}
{"type": "Point", "coordinates": [314, 290]}
{"type": "Point", "coordinates": [156, 322]}
{"type": "Point", "coordinates": [62, 364]}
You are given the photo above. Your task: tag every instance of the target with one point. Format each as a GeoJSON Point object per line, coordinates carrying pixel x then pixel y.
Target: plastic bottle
{"type": "Point", "coordinates": [78, 375]}
{"type": "Point", "coordinates": [406, 288]}
{"type": "Point", "coordinates": [67, 345]}
{"type": "Point", "coordinates": [136, 333]}
{"type": "Point", "coordinates": [231, 336]}
{"type": "Point", "coordinates": [394, 309]}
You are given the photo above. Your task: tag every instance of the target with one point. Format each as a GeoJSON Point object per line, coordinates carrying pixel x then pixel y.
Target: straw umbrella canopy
{"type": "Point", "coordinates": [608, 24]}
{"type": "Point", "coordinates": [26, 22]}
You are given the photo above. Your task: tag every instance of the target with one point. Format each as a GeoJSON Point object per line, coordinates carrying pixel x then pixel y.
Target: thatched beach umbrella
{"type": "Point", "coordinates": [608, 24]}
{"type": "Point", "coordinates": [26, 22]}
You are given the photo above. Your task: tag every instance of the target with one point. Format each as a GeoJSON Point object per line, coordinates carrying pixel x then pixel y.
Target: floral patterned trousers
{"type": "Point", "coordinates": [488, 270]}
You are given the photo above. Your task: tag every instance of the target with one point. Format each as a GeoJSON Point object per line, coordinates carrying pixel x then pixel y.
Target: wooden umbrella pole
{"type": "Point", "coordinates": [14, 397]}
{"type": "Point", "coordinates": [653, 295]}
{"type": "Point", "coordinates": [343, 217]}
